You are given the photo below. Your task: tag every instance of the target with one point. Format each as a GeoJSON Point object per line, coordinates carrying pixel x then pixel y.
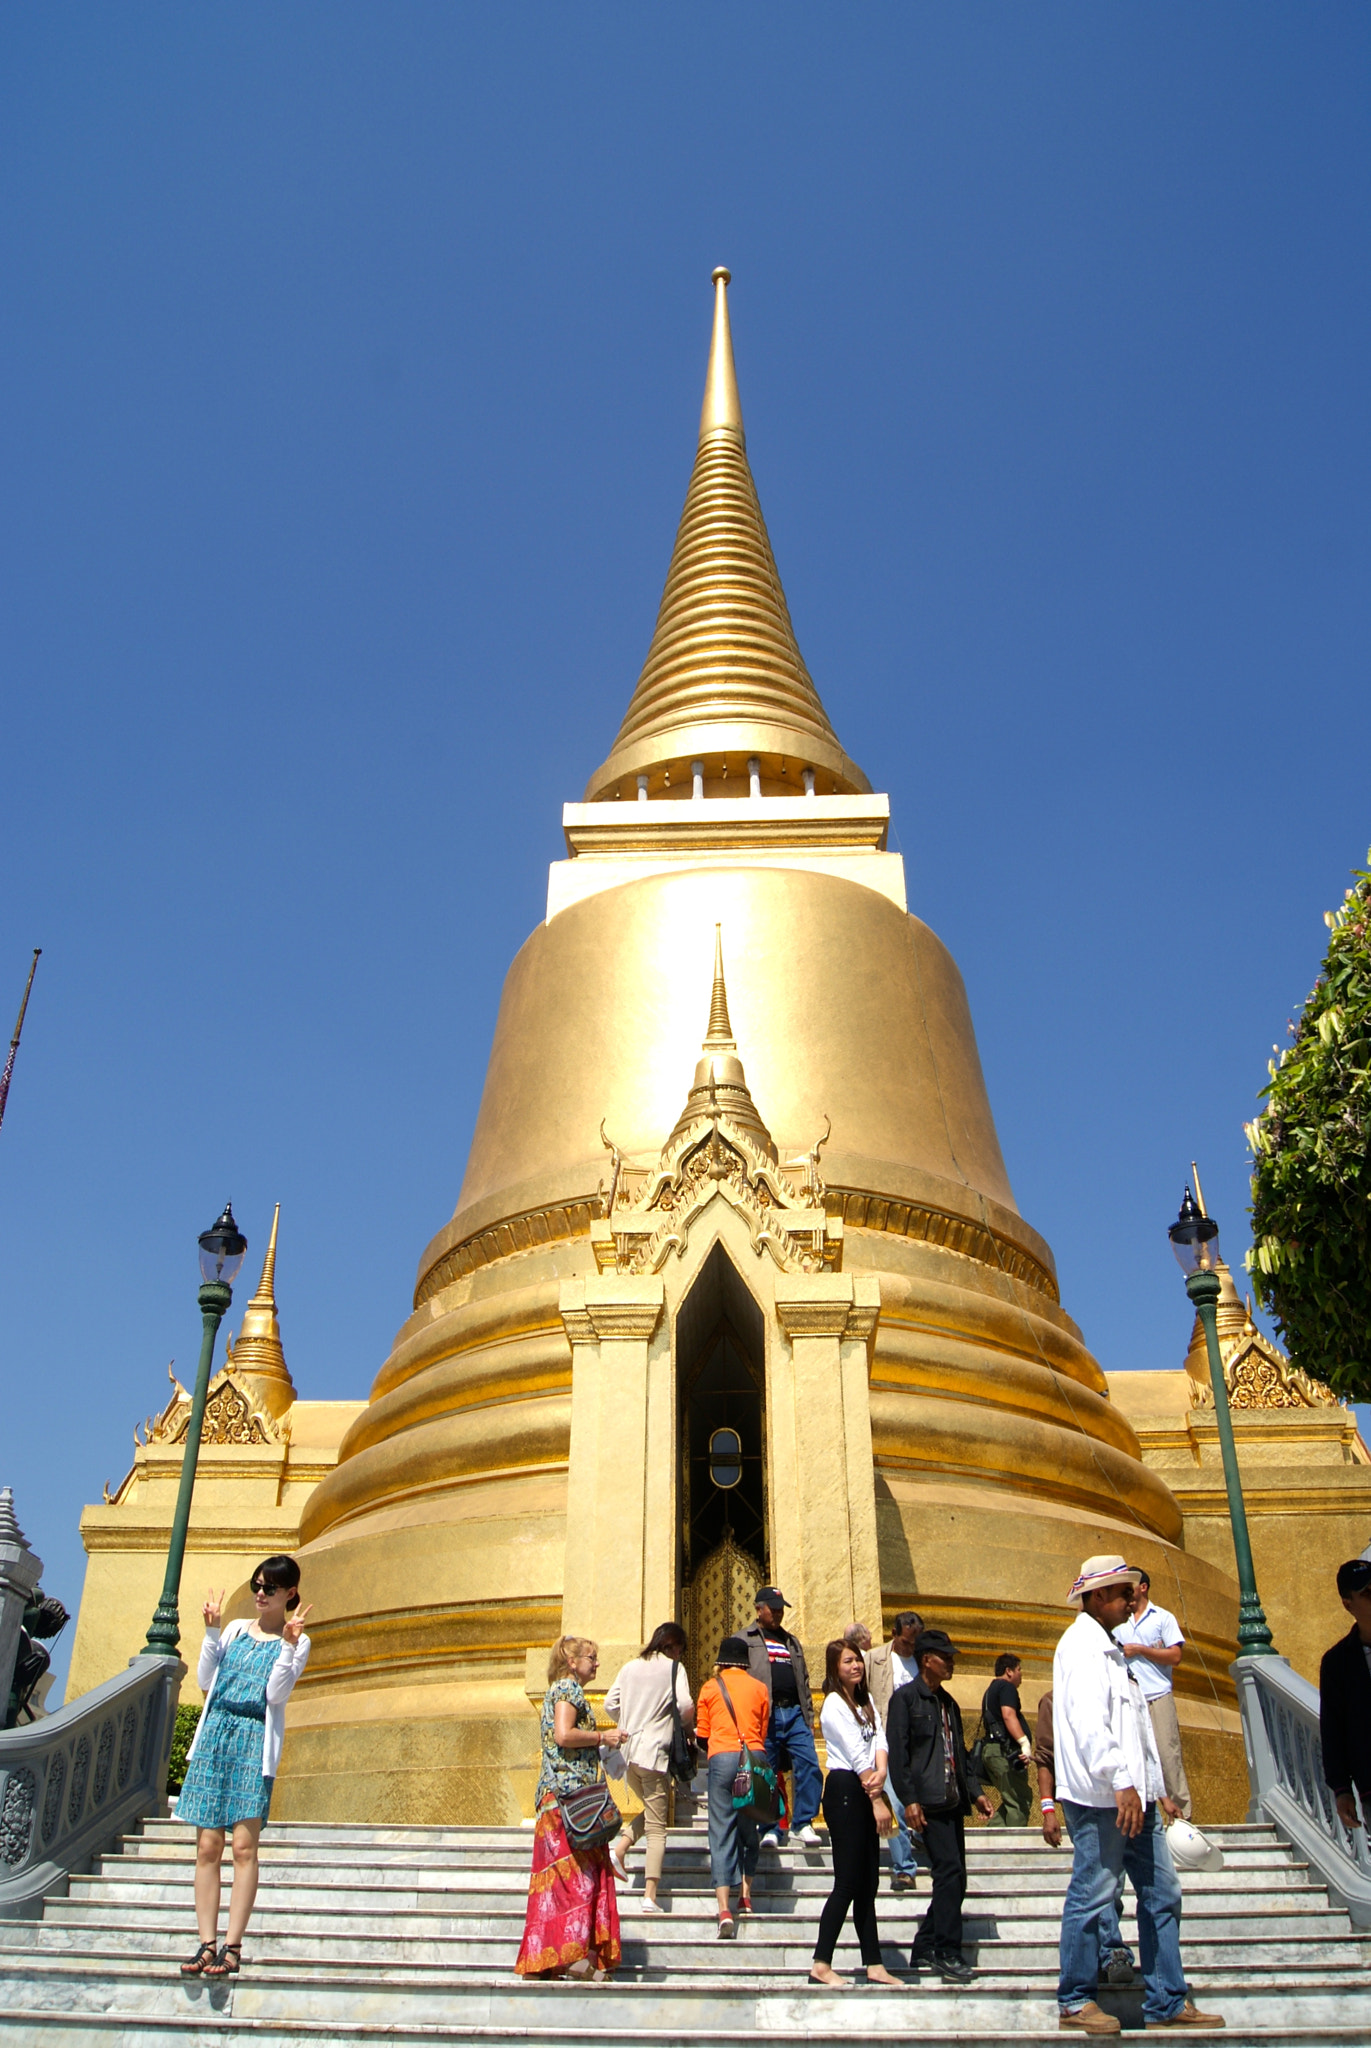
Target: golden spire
{"type": "Point", "coordinates": [258, 1351]}
{"type": "Point", "coordinates": [719, 1037]}
{"type": "Point", "coordinates": [724, 681]}
{"type": "Point", "coordinates": [722, 411]}
{"type": "Point", "coordinates": [720, 1085]}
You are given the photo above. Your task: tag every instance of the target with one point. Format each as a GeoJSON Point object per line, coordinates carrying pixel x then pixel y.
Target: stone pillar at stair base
{"type": "Point", "coordinates": [20, 1572]}
{"type": "Point", "coordinates": [621, 1519]}
{"type": "Point", "coordinates": [825, 1559]}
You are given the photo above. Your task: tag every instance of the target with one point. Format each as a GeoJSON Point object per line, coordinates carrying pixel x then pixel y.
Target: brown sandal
{"type": "Point", "coordinates": [200, 1961]}
{"type": "Point", "coordinates": [227, 1962]}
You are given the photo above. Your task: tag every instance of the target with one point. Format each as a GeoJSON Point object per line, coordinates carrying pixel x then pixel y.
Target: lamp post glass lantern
{"type": "Point", "coordinates": [1195, 1241]}
{"type": "Point", "coordinates": [223, 1248]}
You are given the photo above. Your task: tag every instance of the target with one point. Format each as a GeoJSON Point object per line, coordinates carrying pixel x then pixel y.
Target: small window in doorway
{"type": "Point", "coordinates": [725, 1458]}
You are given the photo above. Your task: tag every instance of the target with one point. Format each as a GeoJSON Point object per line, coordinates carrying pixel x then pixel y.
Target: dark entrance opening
{"type": "Point", "coordinates": [721, 1383]}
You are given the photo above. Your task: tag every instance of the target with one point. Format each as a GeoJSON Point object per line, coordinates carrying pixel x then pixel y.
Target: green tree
{"type": "Point", "coordinates": [1311, 1182]}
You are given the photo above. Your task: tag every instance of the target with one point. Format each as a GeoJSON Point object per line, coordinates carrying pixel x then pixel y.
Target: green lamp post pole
{"type": "Point", "coordinates": [221, 1254]}
{"type": "Point", "coordinates": [1195, 1241]}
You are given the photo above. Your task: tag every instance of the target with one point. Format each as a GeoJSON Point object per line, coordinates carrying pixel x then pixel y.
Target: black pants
{"type": "Point", "coordinates": [940, 1930]}
{"type": "Point", "coordinates": [856, 1868]}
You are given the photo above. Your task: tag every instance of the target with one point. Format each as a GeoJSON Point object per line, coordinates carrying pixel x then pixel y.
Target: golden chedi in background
{"type": "Point", "coordinates": [709, 1315]}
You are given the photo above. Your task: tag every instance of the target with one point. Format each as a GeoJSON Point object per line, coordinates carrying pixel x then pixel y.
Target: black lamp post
{"type": "Point", "coordinates": [222, 1248]}
{"type": "Point", "coordinates": [1195, 1241]}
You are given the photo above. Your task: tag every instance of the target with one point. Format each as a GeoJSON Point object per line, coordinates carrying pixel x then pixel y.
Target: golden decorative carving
{"type": "Point", "coordinates": [720, 1600]}
{"type": "Point", "coordinates": [516, 1234]}
{"type": "Point", "coordinates": [862, 1210]}
{"type": "Point", "coordinates": [720, 1147]}
{"type": "Point", "coordinates": [234, 1414]}
{"type": "Point", "coordinates": [1257, 1375]}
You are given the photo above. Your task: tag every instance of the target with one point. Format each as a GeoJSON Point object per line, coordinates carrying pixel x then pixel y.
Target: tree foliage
{"type": "Point", "coordinates": [1311, 1181]}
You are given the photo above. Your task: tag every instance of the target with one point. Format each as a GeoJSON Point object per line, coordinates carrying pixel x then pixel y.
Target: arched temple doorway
{"type": "Point", "coordinates": [721, 1395]}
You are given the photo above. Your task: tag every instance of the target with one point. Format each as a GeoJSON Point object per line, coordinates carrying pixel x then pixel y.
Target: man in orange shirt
{"type": "Point", "coordinates": [731, 1715]}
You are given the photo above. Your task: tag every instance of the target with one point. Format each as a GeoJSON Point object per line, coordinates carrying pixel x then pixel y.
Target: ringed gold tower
{"type": "Point", "coordinates": [736, 1289]}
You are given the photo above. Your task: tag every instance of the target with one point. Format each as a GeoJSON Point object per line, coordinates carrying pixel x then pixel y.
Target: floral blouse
{"type": "Point", "coordinates": [565, 1770]}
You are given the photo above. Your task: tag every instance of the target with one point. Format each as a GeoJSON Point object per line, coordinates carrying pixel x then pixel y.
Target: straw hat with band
{"type": "Point", "coordinates": [1102, 1571]}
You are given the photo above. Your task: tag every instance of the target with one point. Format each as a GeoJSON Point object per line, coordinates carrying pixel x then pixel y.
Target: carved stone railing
{"type": "Point", "coordinates": [1280, 1729]}
{"type": "Point", "coordinates": [74, 1780]}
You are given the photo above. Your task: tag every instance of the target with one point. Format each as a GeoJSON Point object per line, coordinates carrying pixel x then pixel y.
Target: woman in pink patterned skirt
{"type": "Point", "coordinates": [572, 1925]}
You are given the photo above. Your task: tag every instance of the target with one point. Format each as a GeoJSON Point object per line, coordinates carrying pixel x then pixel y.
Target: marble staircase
{"type": "Point", "coordinates": [367, 1934]}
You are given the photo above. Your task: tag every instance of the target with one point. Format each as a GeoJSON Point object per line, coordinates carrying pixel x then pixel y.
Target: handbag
{"type": "Point", "coordinates": [590, 1816]}
{"type": "Point", "coordinates": [680, 1760]}
{"type": "Point", "coordinates": [755, 1792]}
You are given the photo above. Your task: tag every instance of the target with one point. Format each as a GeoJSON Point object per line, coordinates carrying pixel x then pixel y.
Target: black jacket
{"type": "Point", "coordinates": [759, 1664]}
{"type": "Point", "coordinates": [918, 1763]}
{"type": "Point", "coordinates": [1345, 1716]}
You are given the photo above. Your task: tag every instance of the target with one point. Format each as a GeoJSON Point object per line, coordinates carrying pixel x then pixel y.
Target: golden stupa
{"type": "Point", "coordinates": [735, 1288]}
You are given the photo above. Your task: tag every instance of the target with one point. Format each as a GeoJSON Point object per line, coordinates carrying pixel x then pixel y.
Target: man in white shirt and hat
{"type": "Point", "coordinates": [1151, 1639]}
{"type": "Point", "coordinates": [1110, 1785]}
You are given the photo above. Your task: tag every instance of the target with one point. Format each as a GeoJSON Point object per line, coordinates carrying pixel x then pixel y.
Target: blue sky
{"type": "Point", "coordinates": [351, 361]}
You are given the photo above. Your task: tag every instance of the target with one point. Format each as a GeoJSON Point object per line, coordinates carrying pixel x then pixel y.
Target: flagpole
{"type": "Point", "coordinates": [14, 1042]}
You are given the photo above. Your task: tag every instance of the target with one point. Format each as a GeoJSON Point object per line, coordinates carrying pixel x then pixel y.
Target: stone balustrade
{"type": "Point", "coordinates": [73, 1781]}
{"type": "Point", "coordinates": [1280, 1725]}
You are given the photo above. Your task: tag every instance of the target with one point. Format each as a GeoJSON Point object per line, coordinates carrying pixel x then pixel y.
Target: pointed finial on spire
{"type": "Point", "coordinates": [721, 410]}
{"type": "Point", "coordinates": [10, 1531]}
{"type": "Point", "coordinates": [265, 1297]}
{"type": "Point", "coordinates": [258, 1350]}
{"type": "Point", "coordinates": [719, 1037]}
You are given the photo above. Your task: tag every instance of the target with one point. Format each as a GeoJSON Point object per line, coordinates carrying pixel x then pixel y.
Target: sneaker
{"type": "Point", "coordinates": [770, 1840]}
{"type": "Point", "coordinates": [904, 1881]}
{"type": "Point", "coordinates": [745, 1911]}
{"type": "Point", "coordinates": [646, 1905]}
{"type": "Point", "coordinates": [809, 1835]}
{"type": "Point", "coordinates": [952, 1968]}
{"type": "Point", "coordinates": [1118, 1968]}
{"type": "Point", "coordinates": [728, 1927]}
{"type": "Point", "coordinates": [1089, 2019]}
{"type": "Point", "coordinates": [1188, 2017]}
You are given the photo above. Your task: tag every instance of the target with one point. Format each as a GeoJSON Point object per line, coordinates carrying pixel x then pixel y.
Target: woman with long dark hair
{"type": "Point", "coordinates": [246, 1672]}
{"type": "Point", "coordinates": [856, 1812]}
{"type": "Point", "coordinates": [640, 1701]}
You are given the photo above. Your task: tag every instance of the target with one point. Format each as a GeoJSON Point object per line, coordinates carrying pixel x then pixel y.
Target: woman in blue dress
{"type": "Point", "coordinates": [246, 1673]}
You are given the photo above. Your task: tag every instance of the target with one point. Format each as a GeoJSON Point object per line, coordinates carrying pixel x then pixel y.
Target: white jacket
{"type": "Point", "coordinates": [1101, 1727]}
{"type": "Point", "coordinates": [290, 1662]}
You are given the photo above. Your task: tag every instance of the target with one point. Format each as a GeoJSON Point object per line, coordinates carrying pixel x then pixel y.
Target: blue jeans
{"type": "Point", "coordinates": [733, 1836]}
{"type": "Point", "coordinates": [789, 1733]}
{"type": "Point", "coordinates": [1100, 1853]}
{"type": "Point", "coordinates": [1111, 1933]}
{"type": "Point", "coordinates": [903, 1861]}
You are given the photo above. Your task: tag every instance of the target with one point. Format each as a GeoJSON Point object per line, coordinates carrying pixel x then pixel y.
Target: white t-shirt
{"type": "Point", "coordinates": [1159, 1630]}
{"type": "Point", "coordinates": [851, 1747]}
{"type": "Point", "coordinates": [903, 1668]}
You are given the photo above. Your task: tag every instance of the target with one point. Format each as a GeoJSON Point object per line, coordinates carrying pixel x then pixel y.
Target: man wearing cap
{"type": "Point", "coordinates": [931, 1773]}
{"type": "Point", "coordinates": [1109, 1780]}
{"type": "Point", "coordinates": [1345, 1698]}
{"type": "Point", "coordinates": [777, 1658]}
{"type": "Point", "coordinates": [1151, 1640]}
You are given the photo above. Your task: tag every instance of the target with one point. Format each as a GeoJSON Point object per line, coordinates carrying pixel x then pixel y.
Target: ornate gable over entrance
{"type": "Point", "coordinates": [719, 1150]}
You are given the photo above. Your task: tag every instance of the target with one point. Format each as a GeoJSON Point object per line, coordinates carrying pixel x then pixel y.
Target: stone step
{"type": "Point", "coordinates": [1303, 1911]}
{"type": "Point", "coordinates": [475, 1888]}
{"type": "Point", "coordinates": [692, 1946]}
{"type": "Point", "coordinates": [725, 2008]}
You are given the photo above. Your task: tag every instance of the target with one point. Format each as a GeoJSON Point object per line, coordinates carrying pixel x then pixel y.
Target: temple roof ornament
{"type": "Point", "coordinates": [258, 1353]}
{"type": "Point", "coordinates": [719, 1148]}
{"type": "Point", "coordinates": [1256, 1372]}
{"type": "Point", "coordinates": [724, 682]}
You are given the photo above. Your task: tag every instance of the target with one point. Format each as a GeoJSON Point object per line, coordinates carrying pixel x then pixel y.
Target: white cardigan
{"type": "Point", "coordinates": [290, 1662]}
{"type": "Point", "coordinates": [640, 1701]}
